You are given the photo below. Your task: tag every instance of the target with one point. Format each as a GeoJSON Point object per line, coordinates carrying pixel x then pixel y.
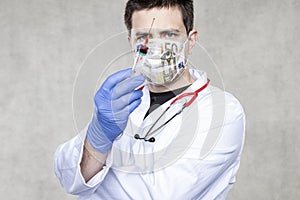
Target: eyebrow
{"type": "Point", "coordinates": [160, 32]}
{"type": "Point", "coordinates": [171, 30]}
{"type": "Point", "coordinates": [141, 33]}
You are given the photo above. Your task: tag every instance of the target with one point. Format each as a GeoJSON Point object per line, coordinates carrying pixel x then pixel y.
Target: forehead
{"type": "Point", "coordinates": [165, 18]}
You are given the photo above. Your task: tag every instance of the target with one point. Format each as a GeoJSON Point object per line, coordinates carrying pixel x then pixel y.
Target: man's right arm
{"type": "Point", "coordinates": [80, 163]}
{"type": "Point", "coordinates": [74, 167]}
{"type": "Point", "coordinates": [92, 161]}
{"type": "Point", "coordinates": [114, 102]}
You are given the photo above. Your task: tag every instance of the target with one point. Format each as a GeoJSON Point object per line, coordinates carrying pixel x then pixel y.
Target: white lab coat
{"type": "Point", "coordinates": [195, 156]}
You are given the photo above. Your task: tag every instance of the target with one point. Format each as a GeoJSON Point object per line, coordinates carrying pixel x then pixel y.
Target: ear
{"type": "Point", "coordinates": [129, 41]}
{"type": "Point", "coordinates": [193, 37]}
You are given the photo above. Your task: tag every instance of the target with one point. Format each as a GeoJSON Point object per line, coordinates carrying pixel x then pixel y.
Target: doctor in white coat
{"type": "Point", "coordinates": [175, 138]}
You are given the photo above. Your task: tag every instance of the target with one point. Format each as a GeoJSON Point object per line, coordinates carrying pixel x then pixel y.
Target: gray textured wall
{"type": "Point", "coordinates": [254, 42]}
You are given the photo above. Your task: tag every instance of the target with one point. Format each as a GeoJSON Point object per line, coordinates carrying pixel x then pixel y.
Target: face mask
{"type": "Point", "coordinates": [164, 61]}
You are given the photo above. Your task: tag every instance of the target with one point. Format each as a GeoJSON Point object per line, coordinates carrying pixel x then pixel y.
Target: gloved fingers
{"type": "Point", "coordinates": [116, 78]}
{"type": "Point", "coordinates": [134, 105]}
{"type": "Point", "coordinates": [127, 86]}
{"type": "Point", "coordinates": [126, 100]}
{"type": "Point", "coordinates": [121, 116]}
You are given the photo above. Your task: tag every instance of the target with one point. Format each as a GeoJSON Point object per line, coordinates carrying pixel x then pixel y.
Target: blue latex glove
{"type": "Point", "coordinates": [114, 101]}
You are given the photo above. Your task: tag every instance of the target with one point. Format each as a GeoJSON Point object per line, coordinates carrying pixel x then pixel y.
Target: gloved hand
{"type": "Point", "coordinates": [114, 101]}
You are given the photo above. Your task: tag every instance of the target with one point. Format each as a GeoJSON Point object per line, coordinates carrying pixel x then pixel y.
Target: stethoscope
{"type": "Point", "coordinates": [185, 105]}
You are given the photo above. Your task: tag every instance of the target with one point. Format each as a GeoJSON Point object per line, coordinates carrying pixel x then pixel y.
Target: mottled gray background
{"type": "Point", "coordinates": [43, 42]}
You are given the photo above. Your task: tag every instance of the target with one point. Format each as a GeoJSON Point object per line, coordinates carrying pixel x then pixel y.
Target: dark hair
{"type": "Point", "coordinates": [186, 7]}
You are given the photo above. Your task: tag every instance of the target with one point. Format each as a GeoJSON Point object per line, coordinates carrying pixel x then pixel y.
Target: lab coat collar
{"type": "Point", "coordinates": [200, 77]}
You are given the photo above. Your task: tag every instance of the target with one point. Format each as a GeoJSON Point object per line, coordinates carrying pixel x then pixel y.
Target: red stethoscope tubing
{"type": "Point", "coordinates": [195, 94]}
{"type": "Point", "coordinates": [187, 104]}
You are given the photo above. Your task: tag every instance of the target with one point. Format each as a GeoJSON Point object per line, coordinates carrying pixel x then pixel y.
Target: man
{"type": "Point", "coordinates": [174, 138]}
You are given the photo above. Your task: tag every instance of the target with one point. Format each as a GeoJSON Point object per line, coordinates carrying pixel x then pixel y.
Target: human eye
{"type": "Point", "coordinates": [169, 35]}
{"type": "Point", "coordinates": [140, 38]}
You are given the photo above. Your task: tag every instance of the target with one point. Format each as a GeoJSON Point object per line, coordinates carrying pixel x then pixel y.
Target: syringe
{"type": "Point", "coordinates": [143, 49]}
